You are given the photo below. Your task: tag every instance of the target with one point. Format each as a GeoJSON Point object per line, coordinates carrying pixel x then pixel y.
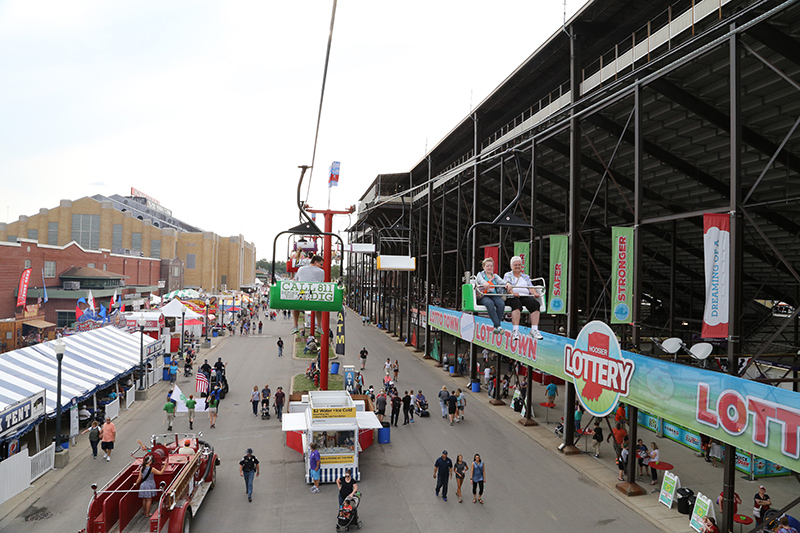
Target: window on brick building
{"type": "Point", "coordinates": [155, 249]}
{"type": "Point", "coordinates": [49, 269]}
{"type": "Point", "coordinates": [64, 319]}
{"type": "Point", "coordinates": [136, 242]}
{"type": "Point", "coordinates": [105, 267]}
{"type": "Point", "coordinates": [224, 280]}
{"type": "Point", "coordinates": [190, 260]}
{"type": "Point", "coordinates": [116, 238]}
{"type": "Point", "coordinates": [33, 234]}
{"type": "Point", "coordinates": [11, 238]}
{"type": "Point", "coordinates": [27, 263]}
{"type": "Point", "coordinates": [91, 265]}
{"type": "Point", "coordinates": [52, 233]}
{"type": "Point", "coordinates": [86, 231]}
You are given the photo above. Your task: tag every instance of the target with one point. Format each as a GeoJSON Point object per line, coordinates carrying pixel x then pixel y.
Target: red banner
{"type": "Point", "coordinates": [22, 294]}
{"type": "Point", "coordinates": [494, 253]}
{"type": "Point", "coordinates": [717, 242]}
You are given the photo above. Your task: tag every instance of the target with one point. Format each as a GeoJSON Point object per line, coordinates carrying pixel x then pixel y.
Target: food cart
{"type": "Point", "coordinates": [341, 427]}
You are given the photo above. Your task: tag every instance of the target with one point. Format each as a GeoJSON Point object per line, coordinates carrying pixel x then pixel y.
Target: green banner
{"type": "Point", "coordinates": [622, 294]}
{"type": "Point", "coordinates": [558, 275]}
{"type": "Point", "coordinates": [523, 249]}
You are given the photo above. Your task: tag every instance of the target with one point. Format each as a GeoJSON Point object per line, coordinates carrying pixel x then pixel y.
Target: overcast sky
{"type": "Point", "coordinates": [211, 106]}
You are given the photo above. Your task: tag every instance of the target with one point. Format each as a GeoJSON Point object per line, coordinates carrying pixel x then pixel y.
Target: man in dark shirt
{"type": "Point", "coordinates": [248, 469]}
{"type": "Point", "coordinates": [396, 403]}
{"type": "Point", "coordinates": [280, 347]}
{"type": "Point", "coordinates": [406, 407]}
{"type": "Point", "coordinates": [363, 353]}
{"type": "Point", "coordinates": [265, 395]}
{"type": "Point", "coordinates": [219, 366]}
{"type": "Point", "coordinates": [279, 396]}
{"type": "Point", "coordinates": [206, 368]}
{"type": "Point", "coordinates": [442, 472]}
{"type": "Point", "coordinates": [452, 406]}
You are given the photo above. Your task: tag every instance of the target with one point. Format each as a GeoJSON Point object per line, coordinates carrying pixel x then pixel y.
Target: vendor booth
{"type": "Point", "coordinates": [341, 427]}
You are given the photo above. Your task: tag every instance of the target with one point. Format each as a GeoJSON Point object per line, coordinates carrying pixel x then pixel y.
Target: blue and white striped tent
{"type": "Point", "coordinates": [93, 360]}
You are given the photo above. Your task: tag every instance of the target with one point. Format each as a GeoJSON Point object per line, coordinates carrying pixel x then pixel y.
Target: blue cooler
{"type": "Point", "coordinates": [384, 435]}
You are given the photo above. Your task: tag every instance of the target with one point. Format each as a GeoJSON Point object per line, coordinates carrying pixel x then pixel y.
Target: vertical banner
{"type": "Point", "coordinates": [621, 295]}
{"type": "Point", "coordinates": [494, 253]}
{"type": "Point", "coordinates": [22, 293]}
{"type": "Point", "coordinates": [523, 249]}
{"type": "Point", "coordinates": [333, 177]}
{"type": "Point", "coordinates": [340, 333]}
{"type": "Point", "coordinates": [716, 246]}
{"type": "Point", "coordinates": [558, 274]}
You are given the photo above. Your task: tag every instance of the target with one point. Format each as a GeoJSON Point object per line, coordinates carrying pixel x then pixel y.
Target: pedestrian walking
{"type": "Point", "coordinates": [249, 469]}
{"type": "Point", "coordinates": [460, 469]}
{"type": "Point", "coordinates": [314, 466]}
{"type": "Point", "coordinates": [169, 413]}
{"type": "Point", "coordinates": [406, 407]}
{"type": "Point", "coordinates": [280, 347]}
{"type": "Point", "coordinates": [442, 472]}
{"type": "Point", "coordinates": [190, 406]}
{"type": "Point", "coordinates": [94, 437]}
{"type": "Point", "coordinates": [452, 406]}
{"type": "Point", "coordinates": [212, 403]}
{"type": "Point", "coordinates": [443, 395]}
{"type": "Point", "coordinates": [279, 397]}
{"type": "Point", "coordinates": [173, 371]}
{"type": "Point", "coordinates": [597, 438]}
{"type": "Point", "coordinates": [363, 353]}
{"type": "Point", "coordinates": [347, 486]}
{"type": "Point", "coordinates": [147, 483]}
{"type": "Point", "coordinates": [387, 366]}
{"type": "Point", "coordinates": [578, 417]}
{"type": "Point", "coordinates": [380, 404]}
{"type": "Point", "coordinates": [108, 434]}
{"type": "Point", "coordinates": [411, 407]}
{"type": "Point", "coordinates": [551, 391]}
{"type": "Point", "coordinates": [255, 396]}
{"type": "Point", "coordinates": [396, 369]}
{"type": "Point", "coordinates": [478, 478]}
{"type": "Point", "coordinates": [260, 326]}
{"type": "Point", "coordinates": [622, 460]}
{"type": "Point", "coordinates": [654, 455]}
{"type": "Point", "coordinates": [396, 404]}
{"type": "Point", "coordinates": [462, 404]}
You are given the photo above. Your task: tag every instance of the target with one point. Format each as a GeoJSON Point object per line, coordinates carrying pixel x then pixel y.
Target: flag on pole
{"type": "Point", "coordinates": [180, 399]}
{"type": "Point", "coordinates": [22, 293]}
{"type": "Point", "coordinates": [44, 287]}
{"type": "Point", "coordinates": [201, 383]}
{"type": "Point", "coordinates": [78, 311]}
{"type": "Point", "coordinates": [90, 301]}
{"type": "Point", "coordinates": [113, 300]}
{"type": "Point", "coordinates": [333, 179]}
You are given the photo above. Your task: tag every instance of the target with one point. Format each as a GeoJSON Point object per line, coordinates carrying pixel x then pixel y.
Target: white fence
{"type": "Point", "coordinates": [20, 470]}
{"type": "Point", "coordinates": [130, 397]}
{"type": "Point", "coordinates": [43, 462]}
{"type": "Point", "coordinates": [112, 409]}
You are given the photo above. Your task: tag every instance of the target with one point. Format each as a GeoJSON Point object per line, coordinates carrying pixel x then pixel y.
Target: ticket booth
{"type": "Point", "coordinates": [340, 430]}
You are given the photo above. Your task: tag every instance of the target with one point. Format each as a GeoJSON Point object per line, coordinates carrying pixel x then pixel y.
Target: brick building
{"type": "Point", "coordinates": [138, 227]}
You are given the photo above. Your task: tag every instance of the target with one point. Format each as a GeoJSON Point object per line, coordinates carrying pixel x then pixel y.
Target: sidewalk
{"type": "Point", "coordinates": [27, 498]}
{"type": "Point", "coordinates": [691, 469]}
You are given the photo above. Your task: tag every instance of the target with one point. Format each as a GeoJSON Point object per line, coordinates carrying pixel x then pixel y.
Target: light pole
{"type": "Point", "coordinates": [208, 300]}
{"type": "Point", "coordinates": [141, 323]}
{"type": "Point", "coordinates": [60, 347]}
{"type": "Point", "coordinates": [183, 321]}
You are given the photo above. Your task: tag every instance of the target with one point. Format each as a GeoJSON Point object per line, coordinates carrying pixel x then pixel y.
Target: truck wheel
{"type": "Point", "coordinates": [187, 521]}
{"type": "Point", "coordinates": [213, 479]}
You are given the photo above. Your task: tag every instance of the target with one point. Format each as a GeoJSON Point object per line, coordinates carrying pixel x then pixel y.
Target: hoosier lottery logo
{"type": "Point", "coordinates": [600, 374]}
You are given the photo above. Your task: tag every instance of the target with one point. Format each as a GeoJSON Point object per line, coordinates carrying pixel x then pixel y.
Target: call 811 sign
{"type": "Point", "coordinates": [595, 363]}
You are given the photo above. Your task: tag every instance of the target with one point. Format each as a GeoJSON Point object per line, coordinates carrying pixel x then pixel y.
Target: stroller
{"type": "Point", "coordinates": [559, 429]}
{"type": "Point", "coordinates": [348, 514]}
{"type": "Point", "coordinates": [421, 409]}
{"type": "Point", "coordinates": [264, 410]}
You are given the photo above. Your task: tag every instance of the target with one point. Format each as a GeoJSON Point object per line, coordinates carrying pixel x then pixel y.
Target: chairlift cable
{"type": "Point", "coordinates": [321, 98]}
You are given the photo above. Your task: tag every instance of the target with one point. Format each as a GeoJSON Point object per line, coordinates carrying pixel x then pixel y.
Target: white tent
{"type": "Point", "coordinates": [92, 361]}
{"type": "Point", "coordinates": [174, 310]}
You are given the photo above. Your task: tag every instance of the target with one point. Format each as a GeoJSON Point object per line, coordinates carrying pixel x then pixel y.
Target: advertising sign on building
{"type": "Point", "coordinates": [21, 413]}
{"type": "Point", "coordinates": [558, 274]}
{"type": "Point", "coordinates": [717, 249]}
{"type": "Point", "coordinates": [523, 250]}
{"type": "Point", "coordinates": [622, 272]}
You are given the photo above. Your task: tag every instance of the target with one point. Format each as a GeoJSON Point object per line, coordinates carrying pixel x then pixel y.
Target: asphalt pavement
{"type": "Point", "coordinates": [529, 487]}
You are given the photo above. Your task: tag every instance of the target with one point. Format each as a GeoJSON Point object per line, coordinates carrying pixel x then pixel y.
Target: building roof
{"type": "Point", "coordinates": [76, 272]}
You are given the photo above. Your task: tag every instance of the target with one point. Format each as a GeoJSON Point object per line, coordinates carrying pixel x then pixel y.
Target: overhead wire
{"type": "Point", "coordinates": [321, 98]}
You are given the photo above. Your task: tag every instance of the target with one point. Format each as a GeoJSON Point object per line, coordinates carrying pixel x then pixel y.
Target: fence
{"type": "Point", "coordinates": [130, 397]}
{"type": "Point", "coordinates": [20, 470]}
{"type": "Point", "coordinates": [112, 409]}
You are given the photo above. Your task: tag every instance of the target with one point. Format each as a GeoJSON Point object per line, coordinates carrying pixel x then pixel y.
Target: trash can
{"type": "Point", "coordinates": [684, 495]}
{"type": "Point", "coordinates": [476, 386]}
{"type": "Point", "coordinates": [384, 435]}
{"type": "Point", "coordinates": [334, 368]}
{"type": "Point", "coordinates": [452, 369]}
{"type": "Point", "coordinates": [215, 333]}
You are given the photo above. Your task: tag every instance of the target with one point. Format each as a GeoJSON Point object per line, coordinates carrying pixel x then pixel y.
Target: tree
{"type": "Point", "coordinates": [280, 266]}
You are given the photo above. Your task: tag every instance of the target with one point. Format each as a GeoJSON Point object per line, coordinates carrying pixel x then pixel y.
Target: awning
{"type": "Point", "coordinates": [367, 420]}
{"type": "Point", "coordinates": [294, 422]}
{"type": "Point", "coordinates": [92, 361]}
{"type": "Point", "coordinates": [41, 324]}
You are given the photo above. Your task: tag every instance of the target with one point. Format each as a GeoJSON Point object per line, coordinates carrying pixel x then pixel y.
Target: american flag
{"type": "Point", "coordinates": [202, 383]}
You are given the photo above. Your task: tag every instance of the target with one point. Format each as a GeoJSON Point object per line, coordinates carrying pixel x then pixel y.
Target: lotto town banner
{"type": "Point", "coordinates": [717, 251]}
{"type": "Point", "coordinates": [621, 302]}
{"type": "Point", "coordinates": [558, 275]}
{"type": "Point", "coordinates": [754, 417]}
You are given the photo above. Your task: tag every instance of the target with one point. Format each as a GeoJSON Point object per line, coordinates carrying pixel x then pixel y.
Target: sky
{"type": "Point", "coordinates": [210, 106]}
